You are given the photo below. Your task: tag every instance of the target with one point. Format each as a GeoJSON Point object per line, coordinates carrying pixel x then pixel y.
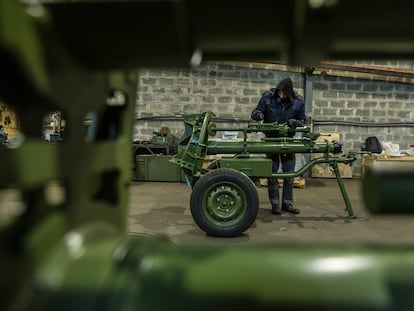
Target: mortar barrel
{"type": "Point", "coordinates": [283, 146]}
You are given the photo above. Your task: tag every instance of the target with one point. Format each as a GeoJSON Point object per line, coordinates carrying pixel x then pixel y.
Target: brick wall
{"type": "Point", "coordinates": [230, 90]}
{"type": "Point", "coordinates": [365, 102]}
{"type": "Point", "coordinates": [340, 103]}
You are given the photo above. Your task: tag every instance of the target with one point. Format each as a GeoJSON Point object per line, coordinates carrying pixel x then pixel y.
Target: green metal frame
{"type": "Point", "coordinates": [195, 145]}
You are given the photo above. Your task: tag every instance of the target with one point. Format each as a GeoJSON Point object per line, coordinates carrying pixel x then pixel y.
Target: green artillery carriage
{"type": "Point", "coordinates": [224, 200]}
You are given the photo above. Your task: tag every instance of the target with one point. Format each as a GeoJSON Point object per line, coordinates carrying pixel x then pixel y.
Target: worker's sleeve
{"type": "Point", "coordinates": [258, 112]}
{"type": "Point", "coordinates": [300, 113]}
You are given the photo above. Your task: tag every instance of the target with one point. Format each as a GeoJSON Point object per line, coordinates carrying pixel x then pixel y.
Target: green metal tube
{"type": "Point", "coordinates": [389, 190]}
{"type": "Point", "coordinates": [341, 185]}
{"type": "Point", "coordinates": [261, 127]}
{"type": "Point", "coordinates": [153, 274]}
{"type": "Point", "coordinates": [285, 145]}
{"type": "Point", "coordinates": [311, 163]}
{"type": "Point", "coordinates": [264, 278]}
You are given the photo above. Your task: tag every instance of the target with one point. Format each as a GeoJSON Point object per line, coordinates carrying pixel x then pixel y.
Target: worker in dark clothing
{"type": "Point", "coordinates": [3, 135]}
{"type": "Point", "coordinates": [284, 106]}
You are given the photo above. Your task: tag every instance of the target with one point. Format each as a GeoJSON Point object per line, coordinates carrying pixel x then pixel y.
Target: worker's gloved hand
{"type": "Point", "coordinates": [292, 123]}
{"type": "Point", "coordinates": [257, 115]}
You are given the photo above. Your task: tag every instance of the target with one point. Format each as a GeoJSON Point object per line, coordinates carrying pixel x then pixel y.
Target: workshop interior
{"type": "Point", "coordinates": [68, 94]}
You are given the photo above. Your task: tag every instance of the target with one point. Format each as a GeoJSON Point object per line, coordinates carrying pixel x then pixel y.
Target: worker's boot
{"type": "Point", "coordinates": [276, 210]}
{"type": "Point", "coordinates": [290, 209]}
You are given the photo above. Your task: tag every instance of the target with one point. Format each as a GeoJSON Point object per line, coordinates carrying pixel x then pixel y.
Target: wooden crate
{"type": "Point", "coordinates": [324, 170]}
{"type": "Point", "coordinates": [386, 161]}
{"type": "Point", "coordinates": [298, 182]}
{"type": "Point", "coordinates": [209, 159]}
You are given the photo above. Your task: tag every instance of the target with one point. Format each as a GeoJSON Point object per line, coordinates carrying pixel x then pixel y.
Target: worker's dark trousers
{"type": "Point", "coordinates": [288, 165]}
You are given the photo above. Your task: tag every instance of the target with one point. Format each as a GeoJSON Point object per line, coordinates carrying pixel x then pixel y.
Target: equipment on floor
{"type": "Point", "coordinates": [224, 200]}
{"type": "Point", "coordinates": [163, 137]}
{"type": "Point", "coordinates": [54, 127]}
{"type": "Point", "coordinates": [150, 159]}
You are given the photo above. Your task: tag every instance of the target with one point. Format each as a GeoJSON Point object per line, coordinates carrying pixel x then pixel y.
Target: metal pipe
{"type": "Point", "coordinates": [389, 190]}
{"type": "Point", "coordinates": [260, 127]}
{"type": "Point", "coordinates": [307, 166]}
{"type": "Point", "coordinates": [341, 185]}
{"type": "Point", "coordinates": [285, 146]}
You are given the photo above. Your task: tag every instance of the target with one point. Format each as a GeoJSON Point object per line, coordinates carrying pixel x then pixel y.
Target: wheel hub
{"type": "Point", "coordinates": [224, 202]}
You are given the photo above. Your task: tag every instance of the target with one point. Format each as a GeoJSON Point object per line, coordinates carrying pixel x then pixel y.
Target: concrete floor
{"type": "Point", "coordinates": [163, 208]}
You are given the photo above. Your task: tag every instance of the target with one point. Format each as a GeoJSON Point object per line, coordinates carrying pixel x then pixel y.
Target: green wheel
{"type": "Point", "coordinates": [224, 202]}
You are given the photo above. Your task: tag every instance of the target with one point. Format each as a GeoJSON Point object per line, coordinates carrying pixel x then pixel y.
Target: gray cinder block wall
{"type": "Point", "coordinates": [229, 90]}
{"type": "Point", "coordinates": [354, 106]}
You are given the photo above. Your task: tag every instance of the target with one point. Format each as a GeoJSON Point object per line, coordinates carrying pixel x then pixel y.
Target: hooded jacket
{"type": "Point", "coordinates": [286, 85]}
{"type": "Point", "coordinates": [276, 109]}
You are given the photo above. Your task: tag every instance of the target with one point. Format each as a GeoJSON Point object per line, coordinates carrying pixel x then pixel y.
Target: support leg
{"type": "Point", "coordinates": [343, 190]}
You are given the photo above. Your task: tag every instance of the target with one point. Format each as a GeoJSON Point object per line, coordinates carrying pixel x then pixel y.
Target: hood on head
{"type": "Point", "coordinates": [286, 86]}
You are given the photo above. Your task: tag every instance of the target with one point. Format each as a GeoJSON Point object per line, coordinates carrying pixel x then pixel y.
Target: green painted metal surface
{"type": "Point", "coordinates": [195, 145]}
{"type": "Point", "coordinates": [256, 167]}
{"type": "Point", "coordinates": [156, 168]}
{"type": "Point", "coordinates": [224, 201]}
{"type": "Point", "coordinates": [389, 190]}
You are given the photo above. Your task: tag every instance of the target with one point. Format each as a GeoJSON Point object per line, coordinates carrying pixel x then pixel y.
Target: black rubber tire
{"type": "Point", "coordinates": [224, 202]}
